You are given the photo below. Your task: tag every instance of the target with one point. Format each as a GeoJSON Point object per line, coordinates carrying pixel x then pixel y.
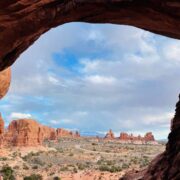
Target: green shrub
{"type": "Point", "coordinates": [94, 144]}
{"type": "Point", "coordinates": [35, 167]}
{"type": "Point", "coordinates": [33, 177]}
{"type": "Point", "coordinates": [7, 173]}
{"type": "Point", "coordinates": [81, 166]}
{"type": "Point", "coordinates": [25, 167]}
{"type": "Point", "coordinates": [3, 159]}
{"type": "Point", "coordinates": [103, 168]}
{"type": "Point", "coordinates": [111, 169]}
{"type": "Point", "coordinates": [56, 178]}
{"type": "Point", "coordinates": [64, 168]}
{"type": "Point", "coordinates": [75, 170]}
{"type": "Point", "coordinates": [125, 166]}
{"type": "Point", "coordinates": [38, 161]}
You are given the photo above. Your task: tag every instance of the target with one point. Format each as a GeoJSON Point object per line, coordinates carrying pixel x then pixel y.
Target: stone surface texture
{"type": "Point", "coordinates": [5, 80]}
{"type": "Point", "coordinates": [28, 132]}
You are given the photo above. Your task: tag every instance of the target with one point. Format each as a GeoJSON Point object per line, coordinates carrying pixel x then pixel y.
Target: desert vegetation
{"type": "Point", "coordinates": [70, 157]}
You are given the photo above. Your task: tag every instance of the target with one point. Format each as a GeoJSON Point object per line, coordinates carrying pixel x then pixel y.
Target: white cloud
{"type": "Point", "coordinates": [159, 118]}
{"type": "Point", "coordinates": [53, 80]}
{"type": "Point", "coordinates": [172, 51]}
{"type": "Point", "coordinates": [17, 115]}
{"type": "Point", "coordinates": [61, 121]}
{"type": "Point", "coordinates": [54, 122]}
{"type": "Point", "coordinates": [98, 79]}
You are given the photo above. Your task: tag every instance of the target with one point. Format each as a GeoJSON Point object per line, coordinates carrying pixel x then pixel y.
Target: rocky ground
{"type": "Point", "coordinates": [78, 159]}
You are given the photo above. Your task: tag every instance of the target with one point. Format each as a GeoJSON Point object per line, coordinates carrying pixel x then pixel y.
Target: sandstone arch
{"type": "Point", "coordinates": [23, 21]}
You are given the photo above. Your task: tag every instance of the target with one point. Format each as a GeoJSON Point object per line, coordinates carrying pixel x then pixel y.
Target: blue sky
{"type": "Point", "coordinates": [95, 77]}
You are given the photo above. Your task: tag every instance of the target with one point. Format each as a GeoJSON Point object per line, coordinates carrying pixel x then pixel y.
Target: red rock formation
{"type": "Point", "coordinates": [1, 125]}
{"type": "Point", "coordinates": [28, 132]}
{"type": "Point", "coordinates": [109, 135]}
{"type": "Point", "coordinates": [126, 137]}
{"type": "Point", "coordinates": [5, 79]}
{"type": "Point", "coordinates": [149, 137]}
{"type": "Point", "coordinates": [48, 133]}
{"type": "Point", "coordinates": [62, 133]}
{"type": "Point", "coordinates": [65, 133]}
{"type": "Point", "coordinates": [23, 21]}
{"type": "Point", "coordinates": [1, 130]}
{"type": "Point", "coordinates": [23, 132]}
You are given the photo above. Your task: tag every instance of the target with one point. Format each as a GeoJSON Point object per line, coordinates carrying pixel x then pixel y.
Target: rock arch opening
{"type": "Point", "coordinates": [17, 35]}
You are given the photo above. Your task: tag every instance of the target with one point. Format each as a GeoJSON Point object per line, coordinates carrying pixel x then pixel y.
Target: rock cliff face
{"type": "Point", "coordinates": [5, 79]}
{"type": "Point", "coordinates": [28, 132]}
{"type": "Point", "coordinates": [23, 21]}
{"type": "Point", "coordinates": [1, 125]}
{"type": "Point", "coordinates": [1, 130]}
{"type": "Point", "coordinates": [23, 132]}
{"type": "Point", "coordinates": [109, 135]}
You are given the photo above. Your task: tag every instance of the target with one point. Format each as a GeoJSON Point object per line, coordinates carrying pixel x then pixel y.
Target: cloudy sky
{"type": "Point", "coordinates": [95, 77]}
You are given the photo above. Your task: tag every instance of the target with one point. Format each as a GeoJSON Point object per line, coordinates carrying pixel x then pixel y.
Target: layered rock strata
{"type": "Point", "coordinates": [28, 132]}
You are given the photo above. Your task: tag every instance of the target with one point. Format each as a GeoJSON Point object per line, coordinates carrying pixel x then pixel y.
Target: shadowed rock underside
{"type": "Point", "coordinates": [23, 21]}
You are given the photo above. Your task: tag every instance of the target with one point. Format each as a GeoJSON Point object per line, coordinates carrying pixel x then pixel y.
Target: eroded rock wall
{"type": "Point", "coordinates": [28, 132]}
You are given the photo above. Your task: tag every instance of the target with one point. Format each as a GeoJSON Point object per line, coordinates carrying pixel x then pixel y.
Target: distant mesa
{"type": "Point", "coordinates": [28, 132]}
{"type": "Point", "coordinates": [130, 138]}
